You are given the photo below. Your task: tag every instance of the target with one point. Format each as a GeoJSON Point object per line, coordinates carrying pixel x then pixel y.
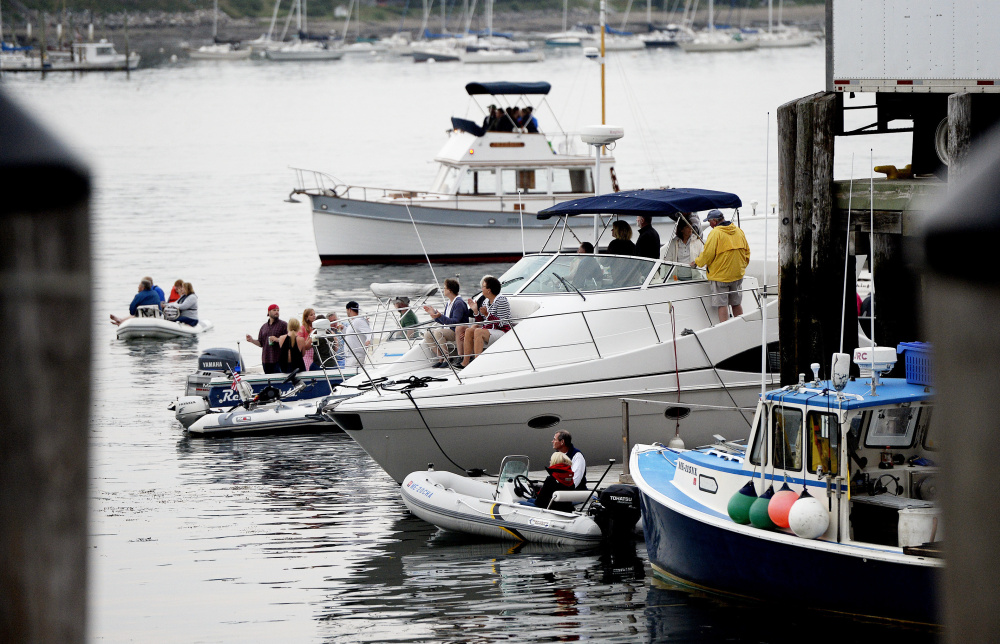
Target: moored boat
{"type": "Point", "coordinates": [857, 498]}
{"type": "Point", "coordinates": [150, 323]}
{"type": "Point", "coordinates": [487, 182]}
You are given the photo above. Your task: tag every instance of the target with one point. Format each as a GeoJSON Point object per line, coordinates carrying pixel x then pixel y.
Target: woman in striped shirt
{"type": "Point", "coordinates": [495, 317]}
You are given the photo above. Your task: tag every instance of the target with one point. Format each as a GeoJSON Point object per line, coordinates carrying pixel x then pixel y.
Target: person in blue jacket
{"type": "Point", "coordinates": [145, 296]}
{"type": "Point", "coordinates": [455, 312]}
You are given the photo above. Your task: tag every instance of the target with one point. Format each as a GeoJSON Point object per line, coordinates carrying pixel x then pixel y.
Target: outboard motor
{"type": "Point", "coordinates": [218, 359]}
{"type": "Point", "coordinates": [188, 409]}
{"type": "Point", "coordinates": [616, 512]}
{"type": "Point", "coordinates": [210, 363]}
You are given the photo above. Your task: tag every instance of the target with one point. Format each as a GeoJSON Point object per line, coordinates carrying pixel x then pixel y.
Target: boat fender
{"type": "Point", "coordinates": [739, 504]}
{"type": "Point", "coordinates": [808, 517]}
{"type": "Point", "coordinates": [759, 516]}
{"type": "Point", "coordinates": [780, 504]}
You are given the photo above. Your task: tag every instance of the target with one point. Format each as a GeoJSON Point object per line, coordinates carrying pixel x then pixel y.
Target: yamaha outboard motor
{"type": "Point", "coordinates": [218, 359]}
{"type": "Point", "coordinates": [617, 511]}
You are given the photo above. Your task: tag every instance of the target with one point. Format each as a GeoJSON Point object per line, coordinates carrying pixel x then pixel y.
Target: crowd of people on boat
{"type": "Point", "coordinates": [511, 119]}
{"type": "Point", "coordinates": [181, 306]}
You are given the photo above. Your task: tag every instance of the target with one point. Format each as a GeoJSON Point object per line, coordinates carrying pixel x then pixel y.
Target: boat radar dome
{"type": "Point", "coordinates": [879, 359]}
{"type": "Point", "coordinates": [601, 134]}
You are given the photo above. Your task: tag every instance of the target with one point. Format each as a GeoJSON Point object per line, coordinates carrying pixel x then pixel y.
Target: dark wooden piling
{"type": "Point", "coordinates": [811, 243]}
{"type": "Point", "coordinates": [46, 317]}
{"type": "Point", "coordinates": [959, 133]}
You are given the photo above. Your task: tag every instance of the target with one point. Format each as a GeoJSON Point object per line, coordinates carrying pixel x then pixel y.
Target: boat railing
{"type": "Point", "coordinates": [583, 335]}
{"type": "Point", "coordinates": [316, 183]}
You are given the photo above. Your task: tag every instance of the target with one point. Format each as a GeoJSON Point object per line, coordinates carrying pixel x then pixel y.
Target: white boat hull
{"type": "Point", "coordinates": [159, 329]}
{"type": "Point", "coordinates": [501, 56]}
{"type": "Point", "coordinates": [458, 504]}
{"type": "Point", "coordinates": [303, 55]}
{"type": "Point", "coordinates": [475, 233]}
{"type": "Point", "coordinates": [218, 54]}
{"type": "Point", "coordinates": [729, 44]}
{"type": "Point", "coordinates": [276, 417]}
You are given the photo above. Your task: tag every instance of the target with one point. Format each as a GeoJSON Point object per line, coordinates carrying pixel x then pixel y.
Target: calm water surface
{"type": "Point", "coordinates": [303, 538]}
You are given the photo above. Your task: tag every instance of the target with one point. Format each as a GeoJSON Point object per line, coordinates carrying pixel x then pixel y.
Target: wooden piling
{"type": "Point", "coordinates": [44, 274]}
{"type": "Point", "coordinates": [787, 142]}
{"type": "Point", "coordinates": [959, 134]}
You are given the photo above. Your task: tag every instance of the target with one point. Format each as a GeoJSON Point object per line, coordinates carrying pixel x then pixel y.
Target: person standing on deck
{"type": "Point", "coordinates": [726, 254]}
{"type": "Point", "coordinates": [267, 339]}
{"type": "Point", "coordinates": [563, 442]}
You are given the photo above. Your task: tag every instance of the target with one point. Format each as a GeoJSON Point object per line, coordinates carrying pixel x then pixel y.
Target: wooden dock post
{"type": "Point", "coordinates": [45, 269]}
{"type": "Point", "coordinates": [810, 241]}
{"type": "Point", "coordinates": [959, 134]}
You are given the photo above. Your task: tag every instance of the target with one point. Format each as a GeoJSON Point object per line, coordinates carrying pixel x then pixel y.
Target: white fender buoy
{"type": "Point", "coordinates": [808, 517]}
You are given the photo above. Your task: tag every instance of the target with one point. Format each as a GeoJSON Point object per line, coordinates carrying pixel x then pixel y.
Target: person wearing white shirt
{"type": "Point", "coordinates": [683, 248]}
{"type": "Point", "coordinates": [357, 336]}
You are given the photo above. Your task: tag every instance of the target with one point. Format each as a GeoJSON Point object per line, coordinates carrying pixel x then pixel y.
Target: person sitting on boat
{"type": "Point", "coordinates": [563, 442]}
{"type": "Point", "coordinates": [495, 318]}
{"type": "Point", "coordinates": [586, 273]}
{"type": "Point", "coordinates": [530, 122]}
{"type": "Point", "coordinates": [159, 291]}
{"type": "Point", "coordinates": [455, 312]}
{"type": "Point", "coordinates": [267, 339]}
{"type": "Point", "coordinates": [474, 304]}
{"type": "Point", "coordinates": [406, 315]}
{"type": "Point", "coordinates": [357, 336]}
{"type": "Point", "coordinates": [622, 243]}
{"type": "Point", "coordinates": [683, 248]}
{"type": "Point", "coordinates": [187, 305]}
{"type": "Point", "coordinates": [560, 478]}
{"type": "Point", "coordinates": [145, 297]}
{"type": "Point", "coordinates": [506, 121]}
{"type": "Point", "coordinates": [491, 118]}
{"type": "Point", "coordinates": [289, 355]}
{"type": "Point", "coordinates": [648, 243]}
{"type": "Point", "coordinates": [726, 254]}
{"type": "Point", "coordinates": [175, 293]}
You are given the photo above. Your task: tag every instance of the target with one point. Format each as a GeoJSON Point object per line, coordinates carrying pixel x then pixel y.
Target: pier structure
{"type": "Point", "coordinates": [946, 93]}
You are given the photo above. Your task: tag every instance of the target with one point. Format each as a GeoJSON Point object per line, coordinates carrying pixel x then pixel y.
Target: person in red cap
{"type": "Point", "coordinates": [267, 339]}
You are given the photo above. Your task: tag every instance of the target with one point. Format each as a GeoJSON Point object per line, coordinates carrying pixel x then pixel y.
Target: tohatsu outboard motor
{"type": "Point", "coordinates": [616, 512]}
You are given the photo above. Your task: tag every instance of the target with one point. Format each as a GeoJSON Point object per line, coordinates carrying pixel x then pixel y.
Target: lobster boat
{"type": "Point", "coordinates": [837, 482]}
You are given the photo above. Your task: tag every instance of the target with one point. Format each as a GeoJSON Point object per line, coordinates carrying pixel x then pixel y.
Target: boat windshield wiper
{"type": "Point", "coordinates": [512, 280]}
{"type": "Point", "coordinates": [569, 285]}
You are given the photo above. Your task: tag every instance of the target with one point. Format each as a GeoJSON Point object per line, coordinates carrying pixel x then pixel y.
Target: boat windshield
{"type": "Point", "coordinates": [523, 270]}
{"type": "Point", "coordinates": [568, 273]}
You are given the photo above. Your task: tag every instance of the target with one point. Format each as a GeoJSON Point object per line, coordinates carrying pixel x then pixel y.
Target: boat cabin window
{"type": "Point", "coordinates": [824, 442]}
{"type": "Point", "coordinates": [892, 427]}
{"type": "Point", "coordinates": [923, 428]}
{"type": "Point", "coordinates": [104, 51]}
{"type": "Point", "coordinates": [590, 273]}
{"type": "Point", "coordinates": [758, 434]}
{"type": "Point", "coordinates": [516, 276]}
{"type": "Point", "coordinates": [566, 180]}
{"type": "Point", "coordinates": [478, 182]}
{"type": "Point", "coordinates": [670, 273]}
{"type": "Point", "coordinates": [447, 179]}
{"type": "Point", "coordinates": [527, 181]}
{"type": "Point", "coordinates": [786, 438]}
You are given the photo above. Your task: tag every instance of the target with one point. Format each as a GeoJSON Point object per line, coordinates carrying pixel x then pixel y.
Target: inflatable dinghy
{"type": "Point", "coordinates": [150, 323]}
{"type": "Point", "coordinates": [461, 504]}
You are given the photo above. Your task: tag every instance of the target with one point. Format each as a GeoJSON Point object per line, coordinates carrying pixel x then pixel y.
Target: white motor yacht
{"type": "Point", "coordinates": [590, 330]}
{"type": "Point", "coordinates": [487, 182]}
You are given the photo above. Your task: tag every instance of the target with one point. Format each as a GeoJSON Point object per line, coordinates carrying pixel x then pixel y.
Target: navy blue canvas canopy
{"type": "Point", "coordinates": [503, 87]}
{"type": "Point", "coordinates": [667, 202]}
{"type": "Point", "coordinates": [467, 126]}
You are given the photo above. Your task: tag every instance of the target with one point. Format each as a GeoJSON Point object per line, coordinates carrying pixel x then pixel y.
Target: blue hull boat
{"type": "Point", "coordinates": [863, 540]}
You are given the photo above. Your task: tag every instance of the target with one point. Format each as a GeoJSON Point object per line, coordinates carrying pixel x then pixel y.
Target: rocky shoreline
{"type": "Point", "coordinates": [162, 33]}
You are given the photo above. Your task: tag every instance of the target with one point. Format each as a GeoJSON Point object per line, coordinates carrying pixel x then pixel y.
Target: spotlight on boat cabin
{"type": "Point", "coordinates": [601, 134]}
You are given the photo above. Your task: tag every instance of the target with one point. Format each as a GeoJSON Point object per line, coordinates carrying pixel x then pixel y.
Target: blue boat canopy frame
{"type": "Point", "coordinates": [501, 88]}
{"type": "Point", "coordinates": [664, 202]}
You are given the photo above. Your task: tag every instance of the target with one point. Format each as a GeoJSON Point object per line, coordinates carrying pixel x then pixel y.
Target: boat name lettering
{"type": "Point", "coordinates": [507, 144]}
{"type": "Point", "coordinates": [684, 467]}
{"type": "Point", "coordinates": [419, 490]}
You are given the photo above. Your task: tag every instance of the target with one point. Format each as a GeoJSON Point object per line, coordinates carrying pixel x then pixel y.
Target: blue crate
{"type": "Point", "coordinates": [918, 362]}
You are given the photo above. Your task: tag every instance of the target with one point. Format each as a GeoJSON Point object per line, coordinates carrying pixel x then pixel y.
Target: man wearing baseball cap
{"type": "Point", "coordinates": [357, 336]}
{"type": "Point", "coordinates": [726, 254]}
{"type": "Point", "coordinates": [267, 339]}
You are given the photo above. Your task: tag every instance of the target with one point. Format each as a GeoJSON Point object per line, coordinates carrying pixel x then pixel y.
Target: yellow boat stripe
{"type": "Point", "coordinates": [511, 531]}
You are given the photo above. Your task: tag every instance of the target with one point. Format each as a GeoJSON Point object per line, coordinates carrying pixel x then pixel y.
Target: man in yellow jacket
{"type": "Point", "coordinates": [726, 254]}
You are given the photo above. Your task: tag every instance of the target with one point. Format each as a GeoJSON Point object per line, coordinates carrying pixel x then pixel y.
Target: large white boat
{"type": "Point", "coordinates": [82, 56]}
{"type": "Point", "coordinates": [475, 210]}
{"type": "Point", "coordinates": [591, 329]}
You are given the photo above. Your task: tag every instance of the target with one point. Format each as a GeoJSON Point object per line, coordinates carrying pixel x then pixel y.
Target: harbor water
{"type": "Point", "coordinates": [303, 538]}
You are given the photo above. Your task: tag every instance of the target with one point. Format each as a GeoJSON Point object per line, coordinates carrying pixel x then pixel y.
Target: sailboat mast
{"type": "Point", "coordinates": [711, 15]}
{"type": "Point", "coordinates": [649, 11]}
{"type": "Point", "coordinates": [565, 14]}
{"type": "Point", "coordinates": [770, 19]}
{"type": "Point", "coordinates": [215, 19]}
{"type": "Point", "coordinates": [604, 8]}
{"type": "Point", "coordinates": [305, 16]}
